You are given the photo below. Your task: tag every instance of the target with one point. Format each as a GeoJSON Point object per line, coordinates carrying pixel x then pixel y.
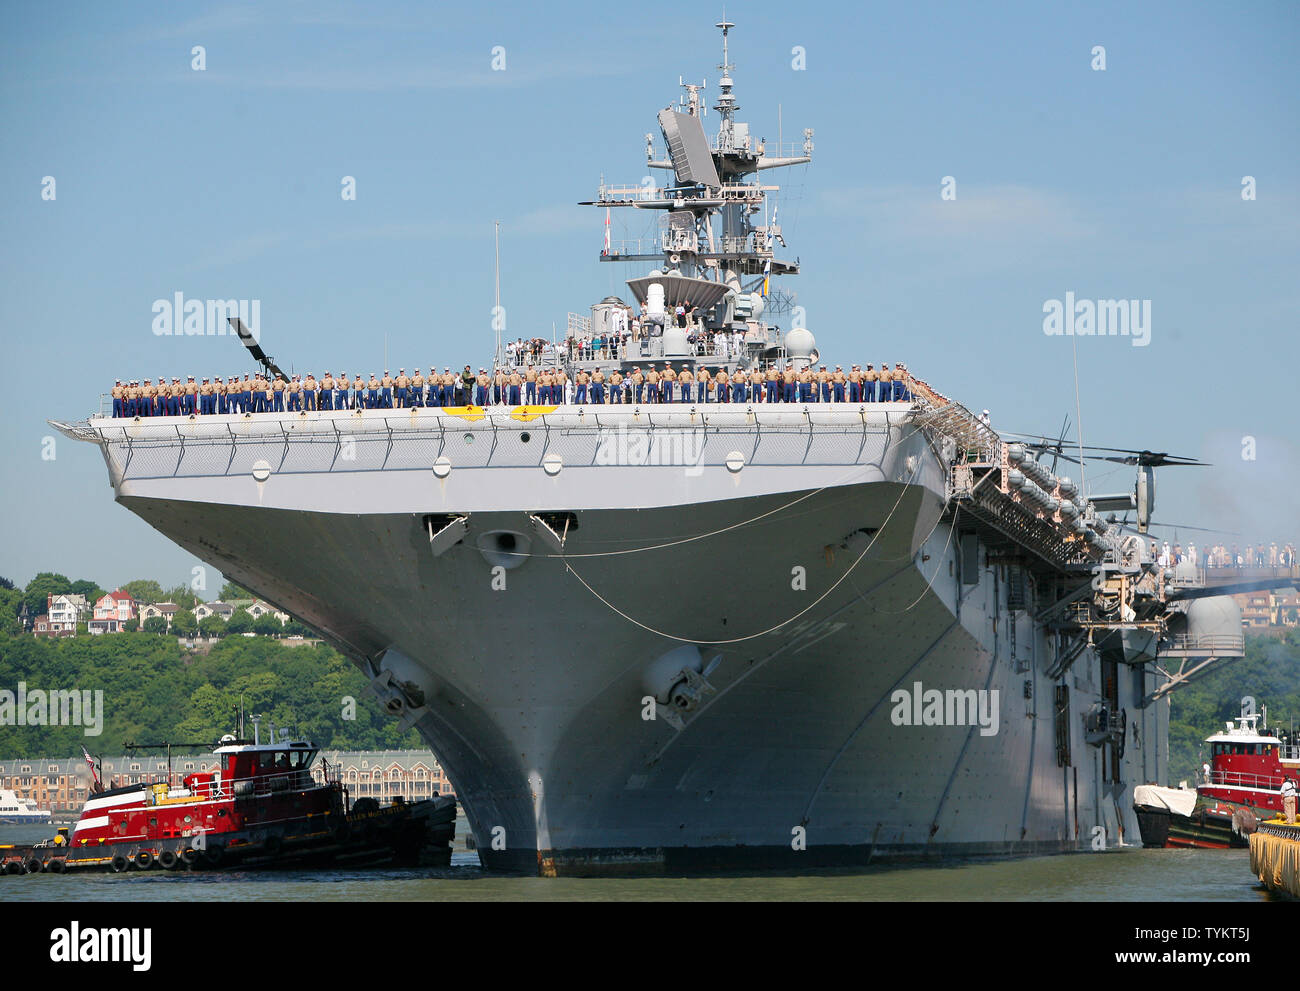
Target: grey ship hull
{"type": "Point", "coordinates": [535, 695]}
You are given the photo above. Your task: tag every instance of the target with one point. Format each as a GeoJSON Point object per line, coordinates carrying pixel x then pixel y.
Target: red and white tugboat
{"type": "Point", "coordinates": [259, 808]}
{"type": "Point", "coordinates": [1242, 787]}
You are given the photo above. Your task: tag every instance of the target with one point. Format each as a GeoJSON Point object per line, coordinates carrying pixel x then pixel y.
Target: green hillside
{"type": "Point", "coordinates": [154, 691]}
{"type": "Point", "coordinates": [1270, 673]}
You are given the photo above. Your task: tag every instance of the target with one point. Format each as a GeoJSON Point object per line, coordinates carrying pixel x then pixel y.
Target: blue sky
{"type": "Point", "coordinates": [225, 183]}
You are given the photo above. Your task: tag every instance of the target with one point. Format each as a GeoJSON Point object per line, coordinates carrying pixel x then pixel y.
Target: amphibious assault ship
{"type": "Point", "coordinates": [648, 637]}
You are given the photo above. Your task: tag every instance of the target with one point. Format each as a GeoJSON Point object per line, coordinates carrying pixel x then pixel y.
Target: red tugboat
{"type": "Point", "coordinates": [1248, 766]}
{"type": "Point", "coordinates": [259, 808]}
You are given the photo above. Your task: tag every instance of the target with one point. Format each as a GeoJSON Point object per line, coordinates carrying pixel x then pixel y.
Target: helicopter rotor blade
{"type": "Point", "coordinates": [1146, 459]}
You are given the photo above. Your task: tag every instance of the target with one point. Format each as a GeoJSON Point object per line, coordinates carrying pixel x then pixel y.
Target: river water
{"type": "Point", "coordinates": [1123, 874]}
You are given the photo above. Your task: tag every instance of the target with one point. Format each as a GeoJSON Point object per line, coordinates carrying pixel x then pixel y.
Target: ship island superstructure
{"type": "Point", "coordinates": [648, 637]}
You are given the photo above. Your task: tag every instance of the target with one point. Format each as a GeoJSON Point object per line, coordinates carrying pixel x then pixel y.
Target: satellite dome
{"type": "Point", "coordinates": [800, 343]}
{"type": "Point", "coordinates": [1217, 615]}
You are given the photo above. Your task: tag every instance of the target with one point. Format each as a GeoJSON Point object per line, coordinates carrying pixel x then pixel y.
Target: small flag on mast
{"type": "Point", "coordinates": [94, 772]}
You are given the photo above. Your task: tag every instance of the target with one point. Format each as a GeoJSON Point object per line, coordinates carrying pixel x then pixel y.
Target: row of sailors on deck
{"type": "Point", "coordinates": [665, 384]}
{"type": "Point", "coordinates": [259, 394]}
{"type": "Point", "coordinates": [547, 387]}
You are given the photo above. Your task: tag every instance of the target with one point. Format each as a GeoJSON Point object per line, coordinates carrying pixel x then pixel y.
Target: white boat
{"type": "Point", "coordinates": [14, 809]}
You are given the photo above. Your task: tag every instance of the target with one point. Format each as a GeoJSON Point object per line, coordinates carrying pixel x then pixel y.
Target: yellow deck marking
{"type": "Point", "coordinates": [521, 413]}
{"type": "Point", "coordinates": [527, 413]}
{"type": "Point", "coordinates": [465, 412]}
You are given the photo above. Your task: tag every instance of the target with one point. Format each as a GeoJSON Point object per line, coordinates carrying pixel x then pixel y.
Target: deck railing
{"type": "Point", "coordinates": [258, 786]}
{"type": "Point", "coordinates": [1240, 779]}
{"type": "Point", "coordinates": [1210, 643]}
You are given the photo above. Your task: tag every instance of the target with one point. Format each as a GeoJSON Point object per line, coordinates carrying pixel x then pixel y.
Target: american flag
{"type": "Point", "coordinates": [94, 772]}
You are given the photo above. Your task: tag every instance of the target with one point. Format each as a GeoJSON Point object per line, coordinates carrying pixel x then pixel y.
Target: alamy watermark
{"type": "Point", "coordinates": [652, 447]}
{"type": "Point", "coordinates": [1099, 318]}
{"type": "Point", "coordinates": [59, 707]}
{"type": "Point", "coordinates": [89, 944]}
{"type": "Point", "coordinates": [178, 316]}
{"type": "Point", "coordinates": [953, 707]}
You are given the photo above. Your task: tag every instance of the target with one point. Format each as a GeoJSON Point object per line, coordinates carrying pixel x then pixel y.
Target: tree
{"type": "Point", "coordinates": [231, 591]}
{"type": "Point", "coordinates": [183, 596]}
{"type": "Point", "coordinates": [144, 590]}
{"type": "Point", "coordinates": [212, 626]}
{"type": "Point", "coordinates": [39, 589]}
{"type": "Point", "coordinates": [89, 589]}
{"type": "Point", "coordinates": [267, 625]}
{"type": "Point", "coordinates": [184, 624]}
{"type": "Point", "coordinates": [295, 629]}
{"type": "Point", "coordinates": [131, 625]}
{"type": "Point", "coordinates": [240, 622]}
{"type": "Point", "coordinates": [5, 583]}
{"type": "Point", "coordinates": [11, 600]}
{"type": "Point", "coordinates": [155, 624]}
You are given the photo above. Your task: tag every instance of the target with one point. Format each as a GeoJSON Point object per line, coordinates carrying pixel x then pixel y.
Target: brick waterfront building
{"type": "Point", "coordinates": [62, 785]}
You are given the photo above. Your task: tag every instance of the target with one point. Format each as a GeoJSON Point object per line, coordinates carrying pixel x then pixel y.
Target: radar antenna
{"type": "Point", "coordinates": [726, 105]}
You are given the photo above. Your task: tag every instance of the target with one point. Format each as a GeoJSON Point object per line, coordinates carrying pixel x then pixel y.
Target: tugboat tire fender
{"type": "Point", "coordinates": [167, 860]}
{"type": "Point", "coordinates": [35, 865]}
{"type": "Point", "coordinates": [144, 860]}
{"type": "Point", "coordinates": [56, 866]}
{"type": "Point", "coordinates": [189, 856]}
{"type": "Point", "coordinates": [119, 863]}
